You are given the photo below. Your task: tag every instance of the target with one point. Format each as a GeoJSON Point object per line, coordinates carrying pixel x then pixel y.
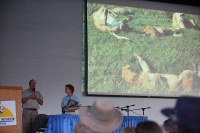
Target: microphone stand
{"type": "Point", "coordinates": [126, 108]}
{"type": "Point", "coordinates": [143, 109]}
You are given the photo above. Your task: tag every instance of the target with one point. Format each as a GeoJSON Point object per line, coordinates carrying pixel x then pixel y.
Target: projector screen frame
{"type": "Point", "coordinates": [85, 40]}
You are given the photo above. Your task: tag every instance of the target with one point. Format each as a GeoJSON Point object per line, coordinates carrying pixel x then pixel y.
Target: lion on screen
{"type": "Point", "coordinates": [187, 80]}
{"type": "Point", "coordinates": [105, 21]}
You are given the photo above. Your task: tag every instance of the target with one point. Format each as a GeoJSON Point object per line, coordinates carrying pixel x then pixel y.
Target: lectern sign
{"type": "Point", "coordinates": [7, 113]}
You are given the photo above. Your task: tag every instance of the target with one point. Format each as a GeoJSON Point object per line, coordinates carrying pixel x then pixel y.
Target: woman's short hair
{"type": "Point", "coordinates": [71, 87]}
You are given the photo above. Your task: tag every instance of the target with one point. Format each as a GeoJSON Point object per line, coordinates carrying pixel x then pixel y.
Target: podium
{"type": "Point", "coordinates": [8, 96]}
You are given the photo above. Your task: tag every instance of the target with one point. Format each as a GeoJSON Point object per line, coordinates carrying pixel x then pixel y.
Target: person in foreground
{"type": "Point", "coordinates": [129, 129]}
{"type": "Point", "coordinates": [101, 117]}
{"type": "Point", "coordinates": [148, 127]}
{"type": "Point", "coordinates": [70, 102]}
{"type": "Point", "coordinates": [185, 114]}
{"type": "Point", "coordinates": [31, 99]}
{"type": "Point", "coordinates": [169, 126]}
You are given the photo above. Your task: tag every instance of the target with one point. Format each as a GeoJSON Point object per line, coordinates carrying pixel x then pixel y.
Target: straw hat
{"type": "Point", "coordinates": [101, 116]}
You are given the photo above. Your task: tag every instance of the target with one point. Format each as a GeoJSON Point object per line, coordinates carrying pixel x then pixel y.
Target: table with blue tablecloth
{"type": "Point", "coordinates": [66, 123]}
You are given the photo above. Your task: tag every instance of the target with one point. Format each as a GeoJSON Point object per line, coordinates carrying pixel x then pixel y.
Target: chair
{"type": "Point", "coordinates": [40, 123]}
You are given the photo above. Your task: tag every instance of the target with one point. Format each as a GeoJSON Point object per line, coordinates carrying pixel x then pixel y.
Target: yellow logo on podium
{"type": "Point", "coordinates": [7, 113]}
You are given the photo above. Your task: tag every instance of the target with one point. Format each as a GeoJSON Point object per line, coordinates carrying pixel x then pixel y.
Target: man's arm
{"type": "Point", "coordinates": [39, 100]}
{"type": "Point", "coordinates": [33, 96]}
{"type": "Point", "coordinates": [27, 98]}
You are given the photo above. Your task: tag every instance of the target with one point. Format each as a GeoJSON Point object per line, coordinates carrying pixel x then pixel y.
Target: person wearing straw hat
{"type": "Point", "coordinates": [185, 114]}
{"type": "Point", "coordinates": [101, 117]}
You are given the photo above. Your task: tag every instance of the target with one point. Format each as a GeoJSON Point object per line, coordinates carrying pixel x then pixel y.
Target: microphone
{"type": "Point", "coordinates": [146, 108]}
{"type": "Point", "coordinates": [131, 105]}
{"type": "Point", "coordinates": [122, 108]}
{"type": "Point", "coordinates": [127, 106]}
{"type": "Point", "coordinates": [33, 89]}
{"type": "Point", "coordinates": [33, 93]}
{"type": "Point", "coordinates": [142, 108]}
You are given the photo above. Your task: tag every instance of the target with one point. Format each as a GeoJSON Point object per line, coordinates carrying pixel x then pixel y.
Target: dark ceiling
{"type": "Point", "coordinates": [183, 2]}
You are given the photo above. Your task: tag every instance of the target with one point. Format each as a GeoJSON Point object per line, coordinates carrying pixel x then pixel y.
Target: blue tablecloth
{"type": "Point", "coordinates": [66, 123]}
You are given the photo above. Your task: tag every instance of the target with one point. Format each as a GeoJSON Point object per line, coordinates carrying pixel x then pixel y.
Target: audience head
{"type": "Point", "coordinates": [129, 129]}
{"type": "Point", "coordinates": [169, 126]}
{"type": "Point", "coordinates": [185, 114]}
{"type": "Point", "coordinates": [101, 117]}
{"type": "Point", "coordinates": [81, 128]}
{"type": "Point", "coordinates": [148, 127]}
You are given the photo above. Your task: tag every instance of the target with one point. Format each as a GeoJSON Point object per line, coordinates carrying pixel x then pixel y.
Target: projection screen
{"type": "Point", "coordinates": [141, 49]}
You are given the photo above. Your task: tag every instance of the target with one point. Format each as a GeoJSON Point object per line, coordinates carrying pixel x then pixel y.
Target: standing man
{"type": "Point", "coordinates": [70, 102]}
{"type": "Point", "coordinates": [31, 99]}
